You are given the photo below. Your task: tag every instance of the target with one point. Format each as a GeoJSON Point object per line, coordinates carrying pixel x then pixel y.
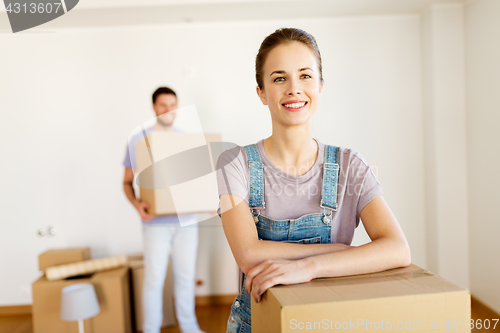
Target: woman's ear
{"type": "Point", "coordinates": [262, 95]}
{"type": "Point", "coordinates": [320, 86]}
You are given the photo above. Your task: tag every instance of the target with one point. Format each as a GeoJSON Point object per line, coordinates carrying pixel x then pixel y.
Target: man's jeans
{"type": "Point", "coordinates": [181, 243]}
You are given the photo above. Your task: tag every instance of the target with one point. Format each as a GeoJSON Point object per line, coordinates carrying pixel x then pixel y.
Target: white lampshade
{"type": "Point", "coordinates": [79, 301]}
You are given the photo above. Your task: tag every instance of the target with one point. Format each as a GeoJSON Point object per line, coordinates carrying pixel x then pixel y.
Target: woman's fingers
{"type": "Point", "coordinates": [264, 277]}
{"type": "Point", "coordinates": [279, 272]}
{"type": "Point", "coordinates": [253, 273]}
{"type": "Point", "coordinates": [267, 282]}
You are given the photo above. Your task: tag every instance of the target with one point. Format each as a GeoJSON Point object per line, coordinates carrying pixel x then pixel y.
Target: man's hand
{"type": "Point", "coordinates": [142, 207]}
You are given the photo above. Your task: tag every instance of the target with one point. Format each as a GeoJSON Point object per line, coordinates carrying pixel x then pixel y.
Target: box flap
{"type": "Point", "coordinates": [55, 257]}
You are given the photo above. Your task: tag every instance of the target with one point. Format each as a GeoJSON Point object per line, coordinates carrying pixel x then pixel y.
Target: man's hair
{"type": "Point", "coordinates": [163, 90]}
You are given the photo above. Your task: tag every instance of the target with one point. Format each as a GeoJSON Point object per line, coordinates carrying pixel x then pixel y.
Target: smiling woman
{"type": "Point", "coordinates": [291, 88]}
{"type": "Point", "coordinates": [304, 230]}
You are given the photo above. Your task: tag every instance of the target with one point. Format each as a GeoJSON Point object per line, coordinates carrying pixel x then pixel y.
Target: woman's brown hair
{"type": "Point", "coordinates": [284, 36]}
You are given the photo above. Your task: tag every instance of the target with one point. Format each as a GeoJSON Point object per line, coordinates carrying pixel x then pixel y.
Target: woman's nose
{"type": "Point", "coordinates": [294, 88]}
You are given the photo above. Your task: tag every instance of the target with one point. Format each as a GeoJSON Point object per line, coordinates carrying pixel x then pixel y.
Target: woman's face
{"type": "Point", "coordinates": [292, 83]}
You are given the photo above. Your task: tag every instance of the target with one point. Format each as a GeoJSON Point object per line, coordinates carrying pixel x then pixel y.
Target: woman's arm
{"type": "Point", "coordinates": [388, 249]}
{"type": "Point", "coordinates": [243, 238]}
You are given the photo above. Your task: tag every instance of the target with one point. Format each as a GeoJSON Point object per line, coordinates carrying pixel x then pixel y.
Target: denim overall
{"type": "Point", "coordinates": [312, 228]}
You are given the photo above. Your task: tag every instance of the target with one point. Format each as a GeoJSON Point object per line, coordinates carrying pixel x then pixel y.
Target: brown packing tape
{"type": "Point", "coordinates": [371, 278]}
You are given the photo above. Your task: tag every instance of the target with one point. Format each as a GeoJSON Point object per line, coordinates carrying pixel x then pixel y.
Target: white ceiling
{"type": "Point", "coordinates": [341, 5]}
{"type": "Point", "coordinates": [155, 3]}
{"type": "Point", "coordinates": [94, 13]}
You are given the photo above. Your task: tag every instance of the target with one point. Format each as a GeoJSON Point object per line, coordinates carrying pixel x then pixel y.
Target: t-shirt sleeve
{"type": "Point", "coordinates": [232, 174]}
{"type": "Point", "coordinates": [370, 187]}
{"type": "Point", "coordinates": [127, 161]}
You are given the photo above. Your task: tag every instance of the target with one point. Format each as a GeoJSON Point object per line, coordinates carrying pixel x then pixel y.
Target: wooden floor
{"type": "Point", "coordinates": [479, 311]}
{"type": "Point", "coordinates": [213, 319]}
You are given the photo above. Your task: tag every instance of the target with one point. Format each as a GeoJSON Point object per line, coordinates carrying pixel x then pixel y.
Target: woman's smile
{"type": "Point", "coordinates": [295, 105]}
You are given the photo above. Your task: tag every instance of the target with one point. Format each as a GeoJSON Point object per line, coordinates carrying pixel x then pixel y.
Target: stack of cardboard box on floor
{"type": "Point", "coordinates": [112, 288]}
{"type": "Point", "coordinates": [119, 292]}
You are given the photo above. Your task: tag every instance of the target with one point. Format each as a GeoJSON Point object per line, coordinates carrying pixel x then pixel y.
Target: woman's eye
{"type": "Point", "coordinates": [306, 76]}
{"type": "Point", "coordinates": [279, 78]}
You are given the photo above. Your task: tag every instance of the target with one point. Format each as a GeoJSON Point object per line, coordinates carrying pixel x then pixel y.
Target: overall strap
{"type": "Point", "coordinates": [330, 178]}
{"type": "Point", "coordinates": [256, 168]}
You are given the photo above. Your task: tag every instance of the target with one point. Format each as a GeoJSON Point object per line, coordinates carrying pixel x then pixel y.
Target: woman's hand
{"type": "Point", "coordinates": [273, 272]}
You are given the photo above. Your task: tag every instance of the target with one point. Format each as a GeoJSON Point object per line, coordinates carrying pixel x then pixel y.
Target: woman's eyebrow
{"type": "Point", "coordinates": [280, 71]}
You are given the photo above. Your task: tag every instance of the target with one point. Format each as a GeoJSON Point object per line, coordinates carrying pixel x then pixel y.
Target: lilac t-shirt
{"type": "Point", "coordinates": [130, 162]}
{"type": "Point", "coordinates": [289, 197]}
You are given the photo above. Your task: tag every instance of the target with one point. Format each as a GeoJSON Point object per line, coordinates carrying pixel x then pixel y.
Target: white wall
{"type": "Point", "coordinates": [69, 100]}
{"type": "Point", "coordinates": [445, 142]}
{"type": "Point", "coordinates": [482, 27]}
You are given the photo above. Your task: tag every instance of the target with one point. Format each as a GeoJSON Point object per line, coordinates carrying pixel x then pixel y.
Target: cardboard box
{"type": "Point", "coordinates": [137, 273]}
{"type": "Point", "coordinates": [57, 257]}
{"type": "Point", "coordinates": [411, 298]}
{"type": "Point", "coordinates": [113, 293]}
{"type": "Point", "coordinates": [194, 189]}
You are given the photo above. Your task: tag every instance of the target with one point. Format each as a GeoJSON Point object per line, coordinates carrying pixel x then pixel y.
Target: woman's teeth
{"type": "Point", "coordinates": [295, 105]}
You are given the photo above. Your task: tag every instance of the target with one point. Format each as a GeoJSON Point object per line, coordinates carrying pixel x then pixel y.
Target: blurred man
{"type": "Point", "coordinates": [163, 236]}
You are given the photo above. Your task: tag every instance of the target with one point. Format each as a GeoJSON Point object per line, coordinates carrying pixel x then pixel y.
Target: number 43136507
{"type": "Point", "coordinates": [33, 8]}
